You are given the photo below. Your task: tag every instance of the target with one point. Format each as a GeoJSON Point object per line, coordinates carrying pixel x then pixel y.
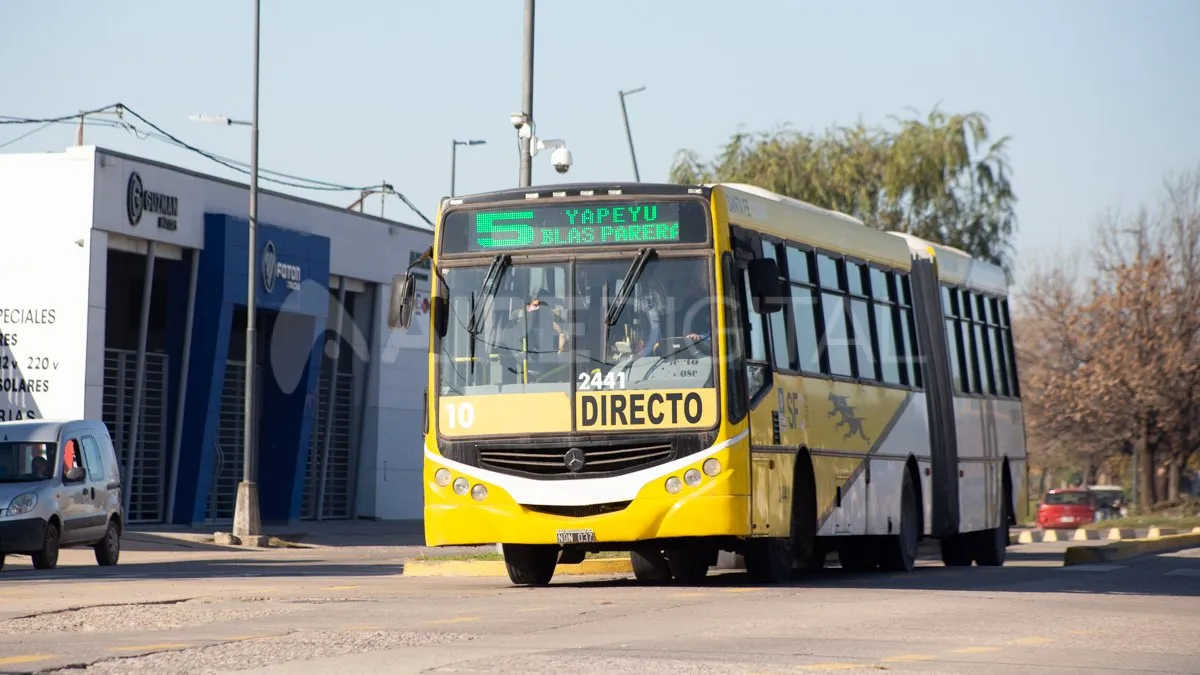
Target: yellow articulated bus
{"type": "Point", "coordinates": [680, 370]}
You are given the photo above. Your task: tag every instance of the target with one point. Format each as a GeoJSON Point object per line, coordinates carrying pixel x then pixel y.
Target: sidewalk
{"type": "Point", "coordinates": [368, 538]}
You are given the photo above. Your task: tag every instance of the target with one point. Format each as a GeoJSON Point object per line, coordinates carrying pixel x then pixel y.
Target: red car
{"type": "Point", "coordinates": [1067, 508]}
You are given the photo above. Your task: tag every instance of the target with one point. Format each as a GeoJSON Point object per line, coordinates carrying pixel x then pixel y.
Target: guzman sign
{"type": "Point", "coordinates": [139, 200]}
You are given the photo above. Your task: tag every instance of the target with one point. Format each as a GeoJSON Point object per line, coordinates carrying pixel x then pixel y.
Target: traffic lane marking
{"type": "Point", "coordinates": [151, 648]}
{"type": "Point", "coordinates": [457, 619]}
{"type": "Point", "coordinates": [974, 650]}
{"type": "Point", "coordinates": [1031, 640]}
{"type": "Point", "coordinates": [25, 658]}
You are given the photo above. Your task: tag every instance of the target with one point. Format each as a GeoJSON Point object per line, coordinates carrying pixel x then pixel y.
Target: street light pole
{"type": "Point", "coordinates": [527, 97]}
{"type": "Point", "coordinates": [629, 135]}
{"type": "Point", "coordinates": [454, 157]}
{"type": "Point", "coordinates": [247, 523]}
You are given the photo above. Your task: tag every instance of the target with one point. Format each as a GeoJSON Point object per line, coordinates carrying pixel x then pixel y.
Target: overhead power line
{"type": "Point", "coordinates": [163, 135]}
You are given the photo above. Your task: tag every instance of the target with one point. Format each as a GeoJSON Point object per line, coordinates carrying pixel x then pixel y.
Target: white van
{"type": "Point", "coordinates": [60, 485]}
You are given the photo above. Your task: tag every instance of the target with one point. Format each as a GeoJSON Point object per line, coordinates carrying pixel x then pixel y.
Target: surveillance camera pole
{"type": "Point", "coordinates": [526, 178]}
{"type": "Point", "coordinates": [628, 134]}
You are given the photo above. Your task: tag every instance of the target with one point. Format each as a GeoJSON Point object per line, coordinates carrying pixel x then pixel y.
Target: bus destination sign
{"type": "Point", "coordinates": [579, 224]}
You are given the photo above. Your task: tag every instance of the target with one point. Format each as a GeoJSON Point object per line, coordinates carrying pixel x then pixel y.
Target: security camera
{"type": "Point", "coordinates": [517, 119]}
{"type": "Point", "coordinates": [561, 159]}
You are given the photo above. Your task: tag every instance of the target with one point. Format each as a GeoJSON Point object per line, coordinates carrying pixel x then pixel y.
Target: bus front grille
{"type": "Point", "coordinates": [578, 511]}
{"type": "Point", "coordinates": [560, 461]}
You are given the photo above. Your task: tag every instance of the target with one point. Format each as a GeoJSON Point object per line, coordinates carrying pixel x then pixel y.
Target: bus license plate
{"type": "Point", "coordinates": [576, 536]}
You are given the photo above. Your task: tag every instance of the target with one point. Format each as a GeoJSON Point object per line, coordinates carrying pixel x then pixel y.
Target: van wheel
{"type": "Point", "coordinates": [108, 549]}
{"type": "Point", "coordinates": [47, 558]}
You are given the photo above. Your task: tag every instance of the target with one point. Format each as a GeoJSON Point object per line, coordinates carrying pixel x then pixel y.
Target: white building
{"type": "Point", "coordinates": [88, 226]}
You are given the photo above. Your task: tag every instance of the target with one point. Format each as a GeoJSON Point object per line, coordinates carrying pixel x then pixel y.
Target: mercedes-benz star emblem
{"type": "Point", "coordinates": [575, 460]}
{"type": "Point", "coordinates": [269, 258]}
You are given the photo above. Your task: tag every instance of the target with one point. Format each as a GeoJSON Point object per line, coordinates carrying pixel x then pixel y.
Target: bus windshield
{"type": "Point", "coordinates": [540, 319]}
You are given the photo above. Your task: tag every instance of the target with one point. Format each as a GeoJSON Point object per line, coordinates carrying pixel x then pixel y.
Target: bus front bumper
{"type": "Point", "coordinates": [707, 509]}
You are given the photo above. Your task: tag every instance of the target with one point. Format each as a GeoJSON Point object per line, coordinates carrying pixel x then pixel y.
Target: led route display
{"type": "Point", "coordinates": [576, 224]}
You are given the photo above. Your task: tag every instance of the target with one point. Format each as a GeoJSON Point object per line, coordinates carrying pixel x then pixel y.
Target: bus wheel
{"type": "Point", "coordinates": [530, 564]}
{"type": "Point", "coordinates": [650, 566]}
{"type": "Point", "coordinates": [991, 546]}
{"type": "Point", "coordinates": [900, 552]}
{"type": "Point", "coordinates": [956, 551]}
{"type": "Point", "coordinates": [688, 566]}
{"type": "Point", "coordinates": [769, 560]}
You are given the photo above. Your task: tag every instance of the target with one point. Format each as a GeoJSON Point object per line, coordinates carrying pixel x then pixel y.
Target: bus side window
{"type": "Point", "coordinates": [757, 369]}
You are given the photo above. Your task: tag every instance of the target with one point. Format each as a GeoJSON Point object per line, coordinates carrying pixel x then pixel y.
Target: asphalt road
{"type": "Point", "coordinates": [304, 611]}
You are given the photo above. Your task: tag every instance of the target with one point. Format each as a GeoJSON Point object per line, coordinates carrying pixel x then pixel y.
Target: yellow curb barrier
{"type": "Point", "coordinates": [496, 568]}
{"type": "Point", "coordinates": [1085, 535]}
{"type": "Point", "coordinates": [1119, 533]}
{"type": "Point", "coordinates": [1121, 550]}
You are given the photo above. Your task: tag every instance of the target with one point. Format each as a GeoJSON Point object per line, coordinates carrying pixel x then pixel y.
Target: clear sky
{"type": "Point", "coordinates": [1100, 97]}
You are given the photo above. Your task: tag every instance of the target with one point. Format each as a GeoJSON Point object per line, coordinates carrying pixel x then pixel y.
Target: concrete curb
{"type": "Point", "coordinates": [496, 568]}
{"type": "Point", "coordinates": [1109, 534]}
{"type": "Point", "coordinates": [1121, 550]}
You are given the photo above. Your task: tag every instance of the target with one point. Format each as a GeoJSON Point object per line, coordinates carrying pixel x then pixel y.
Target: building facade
{"type": "Point", "coordinates": [126, 285]}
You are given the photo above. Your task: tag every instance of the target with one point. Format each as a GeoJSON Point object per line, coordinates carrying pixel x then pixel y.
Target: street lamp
{"type": "Point", "coordinates": [218, 119]}
{"type": "Point", "coordinates": [247, 518]}
{"type": "Point", "coordinates": [454, 157]}
{"type": "Point", "coordinates": [636, 176]}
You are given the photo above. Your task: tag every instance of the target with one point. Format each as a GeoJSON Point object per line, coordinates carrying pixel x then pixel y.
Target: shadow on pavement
{"type": "Point", "coordinates": [221, 568]}
{"type": "Point", "coordinates": [1145, 575]}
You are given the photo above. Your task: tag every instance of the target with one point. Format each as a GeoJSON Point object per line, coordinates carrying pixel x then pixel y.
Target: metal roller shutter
{"type": "Point", "coordinates": [149, 473]}
{"type": "Point", "coordinates": [337, 469]}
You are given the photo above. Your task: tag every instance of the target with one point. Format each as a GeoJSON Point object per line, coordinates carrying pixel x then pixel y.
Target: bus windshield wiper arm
{"type": "Point", "coordinates": [491, 282]}
{"type": "Point", "coordinates": [626, 289]}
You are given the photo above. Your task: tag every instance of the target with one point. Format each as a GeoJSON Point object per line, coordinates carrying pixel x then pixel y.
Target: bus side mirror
{"type": "Point", "coordinates": [403, 301]}
{"type": "Point", "coordinates": [765, 287]}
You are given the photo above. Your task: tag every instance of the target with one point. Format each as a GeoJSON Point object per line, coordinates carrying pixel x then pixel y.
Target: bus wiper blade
{"type": "Point", "coordinates": [491, 282]}
{"type": "Point", "coordinates": [626, 289]}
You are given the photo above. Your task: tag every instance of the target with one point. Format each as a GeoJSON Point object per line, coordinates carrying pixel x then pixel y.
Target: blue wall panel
{"type": "Point", "coordinates": [293, 302]}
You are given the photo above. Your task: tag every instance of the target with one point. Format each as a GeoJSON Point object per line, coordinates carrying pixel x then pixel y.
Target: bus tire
{"type": "Point", "coordinates": [650, 566]}
{"type": "Point", "coordinates": [956, 550]}
{"type": "Point", "coordinates": [991, 546]}
{"type": "Point", "coordinates": [687, 565]}
{"type": "Point", "coordinates": [769, 560]}
{"type": "Point", "coordinates": [900, 552]}
{"type": "Point", "coordinates": [530, 564]}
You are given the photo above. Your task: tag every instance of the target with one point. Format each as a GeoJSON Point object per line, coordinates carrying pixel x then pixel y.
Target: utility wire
{"type": "Point", "coordinates": [165, 136]}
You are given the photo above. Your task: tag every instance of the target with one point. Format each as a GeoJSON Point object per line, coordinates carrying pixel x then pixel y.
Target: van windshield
{"type": "Point", "coordinates": [22, 461]}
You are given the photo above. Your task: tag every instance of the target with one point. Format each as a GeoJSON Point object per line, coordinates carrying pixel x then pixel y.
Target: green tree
{"type": "Point", "coordinates": [941, 178]}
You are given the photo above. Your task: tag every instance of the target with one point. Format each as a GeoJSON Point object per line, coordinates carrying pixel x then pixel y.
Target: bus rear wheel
{"type": "Point", "coordinates": [530, 564]}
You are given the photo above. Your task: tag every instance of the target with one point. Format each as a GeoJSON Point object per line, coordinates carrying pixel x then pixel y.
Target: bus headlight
{"type": "Point", "coordinates": [712, 466]}
{"type": "Point", "coordinates": [479, 492]}
{"type": "Point", "coordinates": [691, 477]}
{"type": "Point", "coordinates": [460, 486]}
{"type": "Point", "coordinates": [441, 477]}
{"type": "Point", "coordinates": [674, 485]}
